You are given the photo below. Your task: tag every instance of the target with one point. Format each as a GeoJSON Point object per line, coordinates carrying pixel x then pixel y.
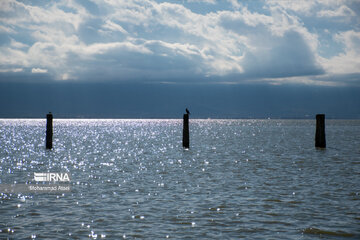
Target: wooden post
{"type": "Point", "coordinates": [320, 141]}
{"type": "Point", "coordinates": [49, 130]}
{"type": "Point", "coordinates": [186, 135]}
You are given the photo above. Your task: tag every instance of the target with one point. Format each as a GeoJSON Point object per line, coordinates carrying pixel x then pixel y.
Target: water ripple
{"type": "Point", "coordinates": [250, 179]}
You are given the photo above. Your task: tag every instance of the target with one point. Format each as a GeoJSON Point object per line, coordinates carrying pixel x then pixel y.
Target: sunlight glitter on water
{"type": "Point", "coordinates": [132, 179]}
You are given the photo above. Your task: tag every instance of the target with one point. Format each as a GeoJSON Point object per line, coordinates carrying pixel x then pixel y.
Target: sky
{"type": "Point", "coordinates": [265, 47]}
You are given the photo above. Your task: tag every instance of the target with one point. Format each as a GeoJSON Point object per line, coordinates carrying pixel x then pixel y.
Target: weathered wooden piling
{"type": "Point", "coordinates": [49, 130]}
{"type": "Point", "coordinates": [186, 134]}
{"type": "Point", "coordinates": [320, 141]}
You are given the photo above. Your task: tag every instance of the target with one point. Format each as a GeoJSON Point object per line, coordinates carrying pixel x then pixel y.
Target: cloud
{"type": "Point", "coordinates": [102, 48]}
{"type": "Point", "coordinates": [13, 57]}
{"type": "Point", "coordinates": [303, 6]}
{"type": "Point", "coordinates": [251, 19]}
{"type": "Point", "coordinates": [16, 44]}
{"type": "Point", "coordinates": [51, 14]}
{"type": "Point", "coordinates": [14, 70]}
{"type": "Point", "coordinates": [65, 76]}
{"type": "Point", "coordinates": [235, 4]}
{"type": "Point", "coordinates": [351, 39]}
{"type": "Point", "coordinates": [343, 11]}
{"type": "Point", "coordinates": [280, 57]}
{"type": "Point", "coordinates": [39, 70]}
{"type": "Point", "coordinates": [347, 62]}
{"type": "Point", "coordinates": [160, 40]}
{"type": "Point", "coordinates": [203, 1]}
{"type": "Point", "coordinates": [6, 29]}
{"type": "Point", "coordinates": [114, 27]}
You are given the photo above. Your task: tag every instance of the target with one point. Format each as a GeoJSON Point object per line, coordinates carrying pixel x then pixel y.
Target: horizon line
{"type": "Point", "coordinates": [79, 118]}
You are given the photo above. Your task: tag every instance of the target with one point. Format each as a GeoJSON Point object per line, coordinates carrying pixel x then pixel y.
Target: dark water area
{"type": "Point", "coordinates": [240, 179]}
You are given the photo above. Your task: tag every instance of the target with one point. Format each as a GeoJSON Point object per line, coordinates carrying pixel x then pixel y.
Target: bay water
{"type": "Point", "coordinates": [131, 179]}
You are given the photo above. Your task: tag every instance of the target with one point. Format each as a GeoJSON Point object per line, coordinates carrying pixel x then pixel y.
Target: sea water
{"type": "Point", "coordinates": [250, 179]}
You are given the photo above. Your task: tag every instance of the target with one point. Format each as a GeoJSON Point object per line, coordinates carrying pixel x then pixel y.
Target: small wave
{"type": "Point", "coordinates": [317, 231]}
{"type": "Point", "coordinates": [33, 213]}
{"type": "Point", "coordinates": [272, 200]}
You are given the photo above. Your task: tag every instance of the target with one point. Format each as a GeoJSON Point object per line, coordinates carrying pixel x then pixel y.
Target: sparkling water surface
{"type": "Point", "coordinates": [240, 179]}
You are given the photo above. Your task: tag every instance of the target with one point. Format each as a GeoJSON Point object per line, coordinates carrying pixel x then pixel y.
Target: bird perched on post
{"type": "Point", "coordinates": [187, 111]}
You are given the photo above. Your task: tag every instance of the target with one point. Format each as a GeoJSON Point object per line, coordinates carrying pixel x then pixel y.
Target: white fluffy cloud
{"type": "Point", "coordinates": [38, 70]}
{"type": "Point", "coordinates": [163, 40]}
{"type": "Point", "coordinates": [342, 11]}
{"type": "Point", "coordinates": [348, 61]}
{"type": "Point", "coordinates": [111, 26]}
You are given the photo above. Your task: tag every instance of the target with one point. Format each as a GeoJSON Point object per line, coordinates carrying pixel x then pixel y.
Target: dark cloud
{"type": "Point", "coordinates": [139, 100]}
{"type": "Point", "coordinates": [286, 56]}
